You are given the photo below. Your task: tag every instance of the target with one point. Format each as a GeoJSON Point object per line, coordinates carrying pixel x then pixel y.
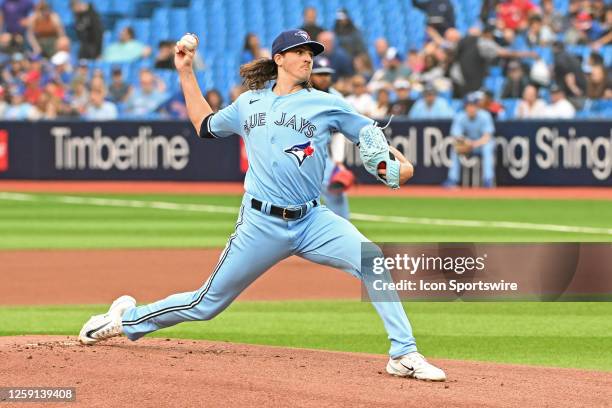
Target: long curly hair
{"type": "Point", "coordinates": [257, 73]}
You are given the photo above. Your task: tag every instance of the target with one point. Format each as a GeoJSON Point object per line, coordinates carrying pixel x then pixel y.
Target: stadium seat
{"type": "Point", "coordinates": [103, 7]}
{"type": "Point", "coordinates": [606, 52]}
{"type": "Point", "coordinates": [179, 3]}
{"type": "Point", "coordinates": [494, 84]}
{"type": "Point", "coordinates": [122, 7]}
{"type": "Point", "coordinates": [545, 53]}
{"type": "Point", "coordinates": [510, 107]}
{"type": "Point", "coordinates": [457, 105]}
{"type": "Point", "coordinates": [495, 71]}
{"type": "Point", "coordinates": [142, 30]}
{"type": "Point", "coordinates": [581, 51]}
{"type": "Point", "coordinates": [146, 8]}
{"type": "Point", "coordinates": [178, 22]}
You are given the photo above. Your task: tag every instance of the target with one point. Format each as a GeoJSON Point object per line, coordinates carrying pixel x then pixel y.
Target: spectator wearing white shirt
{"type": "Point", "coordinates": [560, 107]}
{"type": "Point", "coordinates": [530, 106]}
{"type": "Point", "coordinates": [360, 99]}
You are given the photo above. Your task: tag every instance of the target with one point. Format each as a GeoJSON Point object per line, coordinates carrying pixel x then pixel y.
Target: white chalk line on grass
{"type": "Point", "coordinates": [440, 222]}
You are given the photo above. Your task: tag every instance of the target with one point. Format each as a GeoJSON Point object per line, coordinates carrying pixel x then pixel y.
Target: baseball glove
{"type": "Point", "coordinates": [341, 180]}
{"type": "Point", "coordinates": [374, 152]}
{"type": "Point", "coordinates": [462, 146]}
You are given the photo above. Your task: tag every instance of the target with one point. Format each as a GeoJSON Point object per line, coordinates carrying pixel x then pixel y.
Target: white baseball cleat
{"type": "Point", "coordinates": [414, 365]}
{"type": "Point", "coordinates": [105, 326]}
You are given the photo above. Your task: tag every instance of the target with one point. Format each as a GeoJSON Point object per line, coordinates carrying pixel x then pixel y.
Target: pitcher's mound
{"type": "Point", "coordinates": [187, 373]}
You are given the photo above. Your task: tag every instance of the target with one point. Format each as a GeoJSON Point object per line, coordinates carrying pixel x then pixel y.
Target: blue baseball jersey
{"type": "Point", "coordinates": [286, 139]}
{"type": "Point", "coordinates": [473, 128]}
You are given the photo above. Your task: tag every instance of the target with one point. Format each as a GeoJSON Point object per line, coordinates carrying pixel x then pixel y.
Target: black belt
{"type": "Point", "coordinates": [286, 213]}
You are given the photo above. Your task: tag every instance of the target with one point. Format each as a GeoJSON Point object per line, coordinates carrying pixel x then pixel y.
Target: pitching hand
{"type": "Point", "coordinates": [183, 58]}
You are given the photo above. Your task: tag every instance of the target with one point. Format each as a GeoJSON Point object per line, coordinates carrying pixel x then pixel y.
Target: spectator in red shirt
{"type": "Point", "coordinates": [33, 90]}
{"type": "Point", "coordinates": [514, 14]}
{"type": "Point", "coordinates": [488, 103]}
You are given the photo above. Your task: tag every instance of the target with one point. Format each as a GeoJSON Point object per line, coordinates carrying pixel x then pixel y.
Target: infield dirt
{"type": "Point", "coordinates": [164, 373]}
{"type": "Point", "coordinates": [76, 276]}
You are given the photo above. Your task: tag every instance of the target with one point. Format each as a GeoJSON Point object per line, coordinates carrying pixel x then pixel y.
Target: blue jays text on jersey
{"type": "Point", "coordinates": [294, 122]}
{"type": "Point", "coordinates": [286, 139]}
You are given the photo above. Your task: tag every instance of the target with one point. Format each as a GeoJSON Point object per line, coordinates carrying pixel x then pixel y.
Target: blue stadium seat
{"type": "Point", "coordinates": [109, 21]}
{"type": "Point", "coordinates": [142, 30]}
{"type": "Point", "coordinates": [457, 105]}
{"type": "Point", "coordinates": [178, 22]}
{"type": "Point", "coordinates": [606, 52]}
{"type": "Point", "coordinates": [581, 51]}
{"type": "Point", "coordinates": [146, 8]}
{"type": "Point", "coordinates": [495, 71]}
{"type": "Point", "coordinates": [601, 105]}
{"type": "Point", "coordinates": [169, 77]}
{"type": "Point", "coordinates": [180, 3]}
{"type": "Point", "coordinates": [160, 21]}
{"type": "Point", "coordinates": [161, 17]}
{"type": "Point", "coordinates": [122, 7]}
{"type": "Point", "coordinates": [520, 43]}
{"type": "Point", "coordinates": [584, 114]}
{"type": "Point", "coordinates": [205, 79]}
{"type": "Point", "coordinates": [510, 107]}
{"type": "Point", "coordinates": [545, 53]}
{"type": "Point", "coordinates": [103, 7]}
{"type": "Point", "coordinates": [494, 84]}
{"type": "Point", "coordinates": [561, 5]}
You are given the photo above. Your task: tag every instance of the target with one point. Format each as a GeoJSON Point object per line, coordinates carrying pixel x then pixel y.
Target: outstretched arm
{"type": "Point", "coordinates": [197, 107]}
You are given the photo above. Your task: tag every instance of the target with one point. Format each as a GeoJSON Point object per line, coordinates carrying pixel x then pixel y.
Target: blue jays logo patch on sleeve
{"type": "Point", "coordinates": [301, 151]}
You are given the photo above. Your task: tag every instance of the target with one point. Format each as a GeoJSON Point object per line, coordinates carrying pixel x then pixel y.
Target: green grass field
{"type": "Point", "coordinates": [128, 221]}
{"type": "Point", "coordinates": [557, 334]}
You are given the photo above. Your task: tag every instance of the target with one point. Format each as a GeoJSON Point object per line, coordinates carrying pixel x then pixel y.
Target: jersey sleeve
{"type": "Point", "coordinates": [224, 123]}
{"type": "Point", "coordinates": [345, 119]}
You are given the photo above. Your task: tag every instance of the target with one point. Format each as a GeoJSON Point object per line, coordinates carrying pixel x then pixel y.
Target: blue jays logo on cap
{"type": "Point", "coordinates": [301, 151]}
{"type": "Point", "coordinates": [322, 65]}
{"type": "Point", "coordinates": [303, 34]}
{"type": "Point", "coordinates": [295, 38]}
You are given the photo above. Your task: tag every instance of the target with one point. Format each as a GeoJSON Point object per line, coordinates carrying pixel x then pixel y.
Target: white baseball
{"type": "Point", "coordinates": [189, 41]}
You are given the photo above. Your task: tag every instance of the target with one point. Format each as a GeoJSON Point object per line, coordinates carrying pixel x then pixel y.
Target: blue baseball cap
{"type": "Point", "coordinates": [322, 65]}
{"type": "Point", "coordinates": [295, 38]}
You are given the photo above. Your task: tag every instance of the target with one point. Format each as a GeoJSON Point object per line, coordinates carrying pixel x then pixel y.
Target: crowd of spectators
{"type": "Point", "coordinates": [512, 40]}
{"type": "Point", "coordinates": [41, 79]}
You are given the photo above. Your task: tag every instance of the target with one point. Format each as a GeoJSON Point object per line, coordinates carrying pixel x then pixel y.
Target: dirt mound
{"type": "Point", "coordinates": [164, 372]}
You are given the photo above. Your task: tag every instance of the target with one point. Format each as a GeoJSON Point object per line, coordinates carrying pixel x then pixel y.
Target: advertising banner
{"type": "Point", "coordinates": [561, 153]}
